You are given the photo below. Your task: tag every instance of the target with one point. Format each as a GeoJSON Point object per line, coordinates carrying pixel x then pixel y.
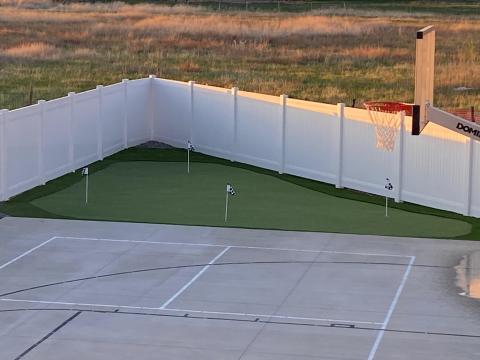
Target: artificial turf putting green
{"type": "Point", "coordinates": [163, 192]}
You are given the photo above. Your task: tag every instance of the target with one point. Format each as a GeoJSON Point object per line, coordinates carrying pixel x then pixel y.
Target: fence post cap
{"type": "Point", "coordinates": [191, 82]}
{"type": "Point", "coordinates": [71, 93]}
{"type": "Point", "coordinates": [124, 80]}
{"type": "Point", "coordinates": [41, 101]}
{"type": "Point", "coordinates": [99, 87]}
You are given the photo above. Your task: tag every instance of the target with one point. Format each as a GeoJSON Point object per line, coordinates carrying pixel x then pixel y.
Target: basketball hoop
{"type": "Point", "coordinates": [386, 119]}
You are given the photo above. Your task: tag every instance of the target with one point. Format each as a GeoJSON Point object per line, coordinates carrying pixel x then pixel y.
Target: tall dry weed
{"type": "Point", "coordinates": [316, 56]}
{"type": "Point", "coordinates": [33, 51]}
{"type": "Point", "coordinates": [29, 17]}
{"type": "Point", "coordinates": [31, 4]}
{"type": "Point", "coordinates": [257, 26]}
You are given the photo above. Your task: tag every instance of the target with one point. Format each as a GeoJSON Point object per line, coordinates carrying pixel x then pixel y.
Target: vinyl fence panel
{"type": "Point", "coordinates": [330, 143]}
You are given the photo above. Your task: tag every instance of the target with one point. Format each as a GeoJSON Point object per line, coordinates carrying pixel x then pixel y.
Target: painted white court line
{"type": "Point", "coordinates": [26, 253]}
{"type": "Point", "coordinates": [78, 304]}
{"type": "Point", "coordinates": [139, 241]}
{"type": "Point", "coordinates": [284, 317]}
{"type": "Point", "coordinates": [226, 248]}
{"type": "Point", "coordinates": [232, 246]}
{"type": "Point", "coordinates": [317, 251]}
{"type": "Point", "coordinates": [220, 313]}
{"type": "Point", "coordinates": [380, 334]}
{"type": "Point", "coordinates": [187, 285]}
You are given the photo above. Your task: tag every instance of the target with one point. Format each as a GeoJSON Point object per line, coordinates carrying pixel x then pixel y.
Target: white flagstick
{"type": "Point", "coordinates": [226, 207]}
{"type": "Point", "coordinates": [189, 148]}
{"type": "Point", "coordinates": [389, 187]}
{"type": "Point", "coordinates": [85, 173]}
{"type": "Point", "coordinates": [230, 191]}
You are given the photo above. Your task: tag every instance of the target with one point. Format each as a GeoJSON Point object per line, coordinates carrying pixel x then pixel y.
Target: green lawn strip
{"type": "Point", "coordinates": [179, 155]}
{"type": "Point", "coordinates": [164, 192]}
{"type": "Point", "coordinates": [22, 204]}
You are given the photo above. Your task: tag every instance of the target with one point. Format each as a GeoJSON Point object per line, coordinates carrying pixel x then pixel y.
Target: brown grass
{"type": "Point", "coordinates": [189, 66]}
{"type": "Point", "coordinates": [30, 51]}
{"type": "Point", "coordinates": [257, 26]}
{"type": "Point", "coordinates": [35, 4]}
{"type": "Point", "coordinates": [317, 56]}
{"type": "Point", "coordinates": [83, 53]}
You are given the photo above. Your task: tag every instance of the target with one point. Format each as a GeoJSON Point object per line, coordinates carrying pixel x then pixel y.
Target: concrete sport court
{"type": "Point", "coordinates": [104, 290]}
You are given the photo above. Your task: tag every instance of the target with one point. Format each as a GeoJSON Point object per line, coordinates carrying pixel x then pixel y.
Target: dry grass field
{"type": "Point", "coordinates": [48, 49]}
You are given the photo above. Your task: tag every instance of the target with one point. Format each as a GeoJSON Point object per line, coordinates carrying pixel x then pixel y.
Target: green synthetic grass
{"type": "Point", "coordinates": [151, 185]}
{"type": "Point", "coordinates": [164, 192]}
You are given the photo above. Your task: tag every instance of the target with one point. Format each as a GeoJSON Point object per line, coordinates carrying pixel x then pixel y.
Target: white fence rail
{"type": "Point", "coordinates": [329, 143]}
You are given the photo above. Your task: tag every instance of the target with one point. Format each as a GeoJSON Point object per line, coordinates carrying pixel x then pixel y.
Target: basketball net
{"type": "Point", "coordinates": [386, 118]}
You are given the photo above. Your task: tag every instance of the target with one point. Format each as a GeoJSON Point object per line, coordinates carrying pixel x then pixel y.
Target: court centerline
{"type": "Point", "coordinates": [391, 309]}
{"type": "Point", "coordinates": [27, 252]}
{"type": "Point", "coordinates": [188, 284]}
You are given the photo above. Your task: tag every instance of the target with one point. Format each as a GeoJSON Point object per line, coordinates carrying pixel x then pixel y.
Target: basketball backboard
{"type": "Point", "coordinates": [424, 75]}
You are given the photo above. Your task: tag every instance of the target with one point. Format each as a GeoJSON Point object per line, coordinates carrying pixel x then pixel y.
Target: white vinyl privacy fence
{"type": "Point", "coordinates": [330, 143]}
{"type": "Point", "coordinates": [44, 141]}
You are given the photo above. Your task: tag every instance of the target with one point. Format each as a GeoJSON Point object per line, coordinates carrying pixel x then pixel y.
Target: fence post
{"type": "Point", "coordinates": [125, 113]}
{"type": "Point", "coordinates": [99, 123]}
{"type": "Point", "coordinates": [151, 105]}
{"type": "Point", "coordinates": [399, 155]}
{"type": "Point", "coordinates": [41, 140]}
{"type": "Point", "coordinates": [3, 155]}
{"type": "Point", "coordinates": [283, 118]}
{"type": "Point", "coordinates": [233, 149]}
{"type": "Point", "coordinates": [71, 144]}
{"type": "Point", "coordinates": [470, 143]}
{"type": "Point", "coordinates": [341, 121]}
{"type": "Point", "coordinates": [191, 86]}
